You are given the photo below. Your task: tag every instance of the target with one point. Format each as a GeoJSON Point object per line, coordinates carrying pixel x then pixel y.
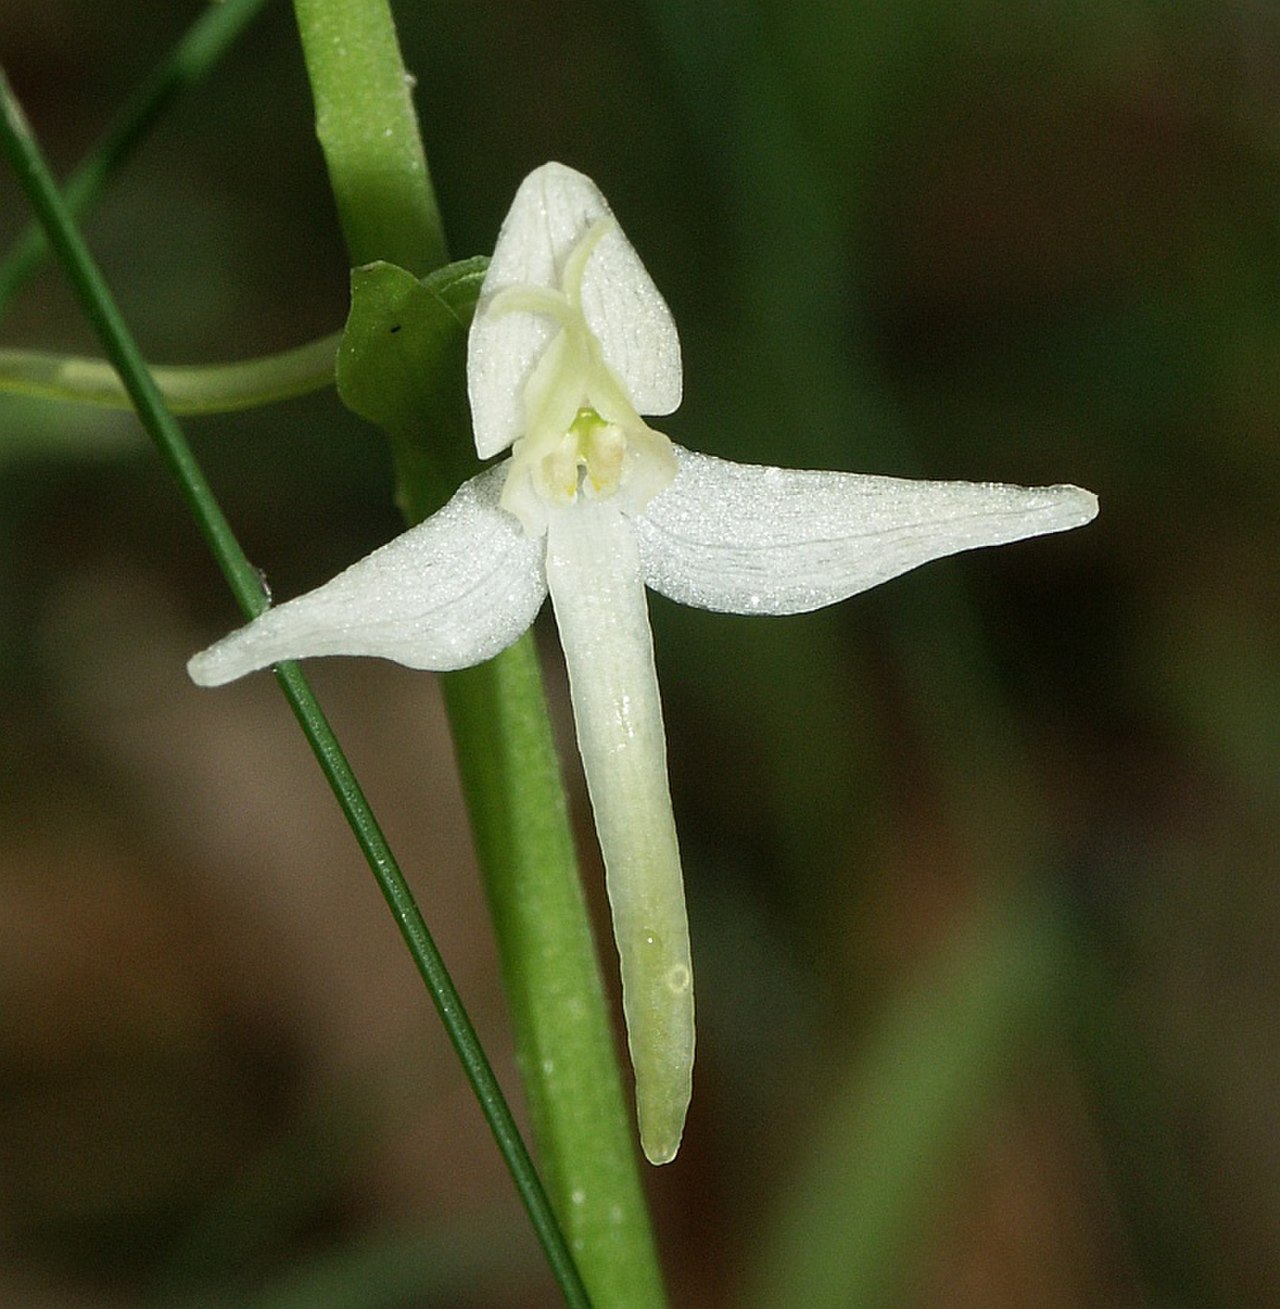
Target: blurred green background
{"type": "Point", "coordinates": [981, 865]}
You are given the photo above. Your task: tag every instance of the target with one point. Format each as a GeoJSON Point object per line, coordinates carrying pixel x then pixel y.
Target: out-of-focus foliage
{"type": "Point", "coordinates": [1019, 241]}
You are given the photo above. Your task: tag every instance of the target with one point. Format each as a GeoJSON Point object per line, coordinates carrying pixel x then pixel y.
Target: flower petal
{"type": "Point", "coordinates": [448, 593]}
{"type": "Point", "coordinates": [747, 539]}
{"type": "Point", "coordinates": [550, 214]}
{"type": "Point", "coordinates": [593, 571]}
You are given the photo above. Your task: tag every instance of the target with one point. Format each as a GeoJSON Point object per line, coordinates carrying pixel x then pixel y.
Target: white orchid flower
{"type": "Point", "coordinates": [570, 344]}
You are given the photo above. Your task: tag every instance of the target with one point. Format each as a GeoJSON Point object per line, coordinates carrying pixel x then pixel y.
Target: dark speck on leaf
{"type": "Point", "coordinates": [396, 328]}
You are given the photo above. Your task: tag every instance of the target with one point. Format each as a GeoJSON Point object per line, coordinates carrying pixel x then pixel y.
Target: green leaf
{"type": "Point", "coordinates": [185, 388]}
{"type": "Point", "coordinates": [402, 365]}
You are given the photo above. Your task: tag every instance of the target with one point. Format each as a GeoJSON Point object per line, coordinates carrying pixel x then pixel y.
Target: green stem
{"type": "Point", "coordinates": [502, 734]}
{"type": "Point", "coordinates": [33, 173]}
{"type": "Point", "coordinates": [431, 966]}
{"type": "Point", "coordinates": [369, 134]}
{"type": "Point", "coordinates": [198, 50]}
{"type": "Point", "coordinates": [564, 1039]}
{"type": "Point", "coordinates": [186, 390]}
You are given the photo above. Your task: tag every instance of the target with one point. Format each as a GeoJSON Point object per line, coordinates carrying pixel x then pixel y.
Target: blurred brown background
{"type": "Point", "coordinates": [982, 865]}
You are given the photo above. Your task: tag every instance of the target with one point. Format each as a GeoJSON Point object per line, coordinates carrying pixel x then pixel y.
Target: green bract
{"type": "Point", "coordinates": [404, 345]}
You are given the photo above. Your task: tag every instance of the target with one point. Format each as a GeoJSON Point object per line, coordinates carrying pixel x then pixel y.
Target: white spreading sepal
{"type": "Point", "coordinates": [748, 539]}
{"type": "Point", "coordinates": [449, 593]}
{"type": "Point", "coordinates": [593, 573]}
{"type": "Point", "coordinates": [551, 213]}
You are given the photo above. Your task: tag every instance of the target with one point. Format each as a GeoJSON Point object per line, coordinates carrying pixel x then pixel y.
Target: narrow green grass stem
{"type": "Point", "coordinates": [24, 154]}
{"type": "Point", "coordinates": [201, 46]}
{"type": "Point", "coordinates": [26, 158]}
{"type": "Point", "coordinates": [186, 389]}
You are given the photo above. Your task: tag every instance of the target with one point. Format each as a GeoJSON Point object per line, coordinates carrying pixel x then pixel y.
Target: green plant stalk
{"type": "Point", "coordinates": [564, 1041]}
{"type": "Point", "coordinates": [510, 769]}
{"type": "Point", "coordinates": [20, 146]}
{"type": "Point", "coordinates": [368, 131]}
{"type": "Point", "coordinates": [197, 51]}
{"type": "Point", "coordinates": [185, 389]}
